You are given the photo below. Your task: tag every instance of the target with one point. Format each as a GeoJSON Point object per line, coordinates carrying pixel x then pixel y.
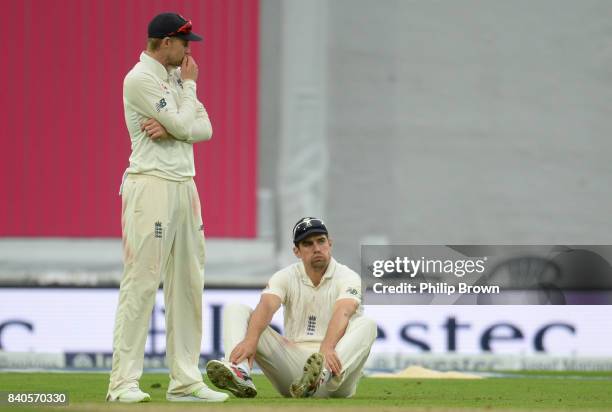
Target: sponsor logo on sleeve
{"type": "Point", "coordinates": [161, 104]}
{"type": "Point", "coordinates": [354, 292]}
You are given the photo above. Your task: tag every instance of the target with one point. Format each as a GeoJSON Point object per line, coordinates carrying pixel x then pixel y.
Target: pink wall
{"type": "Point", "coordinates": [64, 143]}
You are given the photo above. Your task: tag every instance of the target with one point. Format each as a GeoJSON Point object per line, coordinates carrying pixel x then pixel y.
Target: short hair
{"type": "Point", "coordinates": [154, 44]}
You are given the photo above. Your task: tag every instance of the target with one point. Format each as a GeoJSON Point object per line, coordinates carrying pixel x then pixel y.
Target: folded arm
{"type": "Point", "coordinates": [201, 129]}
{"type": "Point", "coordinates": [144, 93]}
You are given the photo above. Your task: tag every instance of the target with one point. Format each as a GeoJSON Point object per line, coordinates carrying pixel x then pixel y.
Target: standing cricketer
{"type": "Point", "coordinates": [162, 226]}
{"type": "Point", "coordinates": [327, 339]}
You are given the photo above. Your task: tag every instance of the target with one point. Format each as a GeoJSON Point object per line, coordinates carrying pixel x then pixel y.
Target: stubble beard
{"type": "Point", "coordinates": [319, 264]}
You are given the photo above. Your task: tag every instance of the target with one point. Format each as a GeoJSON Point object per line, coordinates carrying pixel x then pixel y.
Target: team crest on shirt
{"type": "Point", "coordinates": [312, 325]}
{"type": "Point", "coordinates": [158, 231]}
{"type": "Point", "coordinates": [161, 104]}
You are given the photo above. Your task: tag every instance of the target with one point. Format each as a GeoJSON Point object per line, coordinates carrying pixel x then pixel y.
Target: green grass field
{"type": "Point", "coordinates": [539, 391]}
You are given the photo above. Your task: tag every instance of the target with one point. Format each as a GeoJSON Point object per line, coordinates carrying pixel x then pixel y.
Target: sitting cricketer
{"type": "Point", "coordinates": [327, 339]}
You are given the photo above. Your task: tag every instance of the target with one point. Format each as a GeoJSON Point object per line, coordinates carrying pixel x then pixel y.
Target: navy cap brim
{"type": "Point", "coordinates": [190, 37]}
{"type": "Point", "coordinates": [313, 231]}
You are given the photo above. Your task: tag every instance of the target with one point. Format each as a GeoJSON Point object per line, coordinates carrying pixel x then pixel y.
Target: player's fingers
{"type": "Point", "coordinates": [239, 359]}
{"type": "Point", "coordinates": [239, 355]}
{"type": "Point", "coordinates": [335, 365]}
{"type": "Point", "coordinates": [251, 360]}
{"type": "Point", "coordinates": [329, 364]}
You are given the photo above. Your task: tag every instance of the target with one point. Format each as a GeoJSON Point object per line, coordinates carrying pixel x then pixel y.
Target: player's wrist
{"type": "Point", "coordinates": [250, 340]}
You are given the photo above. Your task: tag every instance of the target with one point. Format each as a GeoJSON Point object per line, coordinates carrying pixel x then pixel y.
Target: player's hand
{"type": "Point", "coordinates": [154, 129]}
{"type": "Point", "coordinates": [189, 69]}
{"type": "Point", "coordinates": [244, 350]}
{"type": "Point", "coordinates": [332, 361]}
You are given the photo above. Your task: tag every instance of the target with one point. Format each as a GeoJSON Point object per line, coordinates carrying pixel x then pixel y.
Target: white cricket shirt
{"type": "Point", "coordinates": [151, 91]}
{"type": "Point", "coordinates": [308, 309]}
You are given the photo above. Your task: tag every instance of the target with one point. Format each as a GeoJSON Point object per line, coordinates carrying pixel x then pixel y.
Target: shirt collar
{"type": "Point", "coordinates": [329, 273]}
{"type": "Point", "coordinates": [331, 269]}
{"type": "Point", "coordinates": [156, 67]}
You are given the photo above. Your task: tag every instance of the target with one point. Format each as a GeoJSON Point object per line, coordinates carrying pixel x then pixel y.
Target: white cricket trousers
{"type": "Point", "coordinates": [282, 361]}
{"type": "Point", "coordinates": [163, 239]}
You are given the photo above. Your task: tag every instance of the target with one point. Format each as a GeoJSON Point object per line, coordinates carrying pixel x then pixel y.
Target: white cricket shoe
{"type": "Point", "coordinates": [132, 395]}
{"type": "Point", "coordinates": [309, 382]}
{"type": "Point", "coordinates": [204, 394]}
{"type": "Point", "coordinates": [226, 375]}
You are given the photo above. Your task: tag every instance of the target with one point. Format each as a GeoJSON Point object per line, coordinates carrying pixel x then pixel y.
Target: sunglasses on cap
{"type": "Point", "coordinates": [308, 225]}
{"type": "Point", "coordinates": [184, 29]}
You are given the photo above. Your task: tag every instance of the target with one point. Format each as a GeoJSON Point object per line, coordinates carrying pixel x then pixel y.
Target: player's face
{"type": "Point", "coordinates": [177, 50]}
{"type": "Point", "coordinates": [315, 251]}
